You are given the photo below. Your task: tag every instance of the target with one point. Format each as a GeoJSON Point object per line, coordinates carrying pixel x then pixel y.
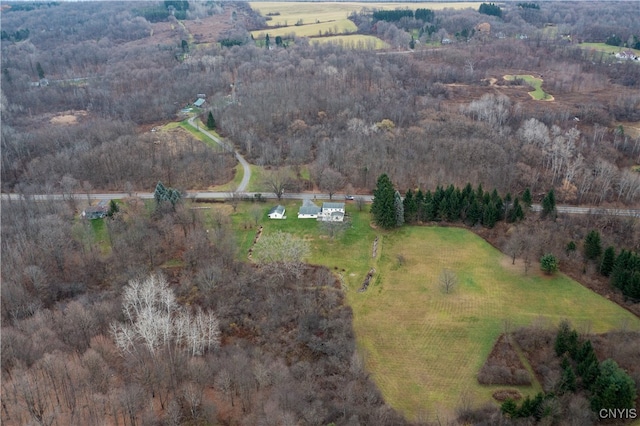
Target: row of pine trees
{"type": "Point", "coordinates": [452, 204]}
{"type": "Point", "coordinates": [479, 207]}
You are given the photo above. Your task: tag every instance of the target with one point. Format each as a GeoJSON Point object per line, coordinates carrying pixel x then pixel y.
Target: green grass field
{"type": "Point", "coordinates": [323, 18]}
{"type": "Point", "coordinates": [424, 348]}
{"type": "Point", "coordinates": [313, 12]}
{"type": "Point", "coordinates": [538, 94]}
{"type": "Point", "coordinates": [417, 338]}
{"type": "Point", "coordinates": [602, 47]}
{"type": "Point", "coordinates": [341, 26]}
{"type": "Point", "coordinates": [355, 41]}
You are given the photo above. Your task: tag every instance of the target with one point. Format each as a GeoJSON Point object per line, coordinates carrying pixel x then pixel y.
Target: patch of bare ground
{"type": "Point", "coordinates": [502, 395]}
{"type": "Point", "coordinates": [503, 366]}
{"type": "Point", "coordinates": [68, 117]}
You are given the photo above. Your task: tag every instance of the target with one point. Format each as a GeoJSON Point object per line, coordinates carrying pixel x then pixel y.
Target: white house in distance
{"type": "Point", "coordinates": [309, 210]}
{"type": "Point", "coordinates": [331, 212]}
{"type": "Point", "coordinates": [277, 212]}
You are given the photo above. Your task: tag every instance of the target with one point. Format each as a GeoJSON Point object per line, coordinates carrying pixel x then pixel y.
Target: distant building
{"type": "Point", "coordinates": [277, 212]}
{"type": "Point", "coordinates": [199, 102]}
{"type": "Point", "coordinates": [98, 211]}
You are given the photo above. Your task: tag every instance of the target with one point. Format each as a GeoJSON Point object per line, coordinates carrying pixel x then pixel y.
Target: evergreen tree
{"type": "Point", "coordinates": [497, 202]}
{"type": "Point", "coordinates": [613, 388]}
{"type": "Point", "coordinates": [383, 207]}
{"type": "Point", "coordinates": [399, 208]}
{"type": "Point", "coordinates": [438, 196]}
{"type": "Point", "coordinates": [568, 380]}
{"type": "Point", "coordinates": [211, 122]}
{"type": "Point", "coordinates": [549, 263]}
{"type": "Point", "coordinates": [479, 192]}
{"type": "Point", "coordinates": [113, 208]}
{"type": "Point", "coordinates": [509, 408]}
{"type": "Point", "coordinates": [430, 210]}
{"type": "Point", "coordinates": [526, 198]}
{"type": "Point", "coordinates": [266, 41]}
{"type": "Point", "coordinates": [589, 367]}
{"type": "Point", "coordinates": [608, 260]}
{"type": "Point", "coordinates": [410, 207]}
{"type": "Point", "coordinates": [565, 339]}
{"type": "Point", "coordinates": [419, 198]}
{"type": "Point", "coordinates": [592, 245]}
{"type": "Point", "coordinates": [474, 212]}
{"type": "Point", "coordinates": [515, 213]}
{"type": "Point", "coordinates": [626, 274]}
{"type": "Point", "coordinates": [490, 215]}
{"type": "Point", "coordinates": [40, 71]}
{"type": "Point", "coordinates": [549, 205]}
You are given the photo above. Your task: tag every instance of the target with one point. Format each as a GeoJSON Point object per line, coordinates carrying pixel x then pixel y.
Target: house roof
{"type": "Point", "coordinates": [277, 209]}
{"type": "Point", "coordinates": [333, 206]}
{"type": "Point", "coordinates": [199, 102]}
{"type": "Point", "coordinates": [309, 208]}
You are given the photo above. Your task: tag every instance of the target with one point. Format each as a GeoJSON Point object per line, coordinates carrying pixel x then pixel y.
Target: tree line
{"type": "Point", "coordinates": [608, 385]}
{"type": "Point", "coordinates": [452, 204]}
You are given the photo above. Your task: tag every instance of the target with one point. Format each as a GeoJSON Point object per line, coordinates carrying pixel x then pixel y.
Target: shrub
{"type": "Point", "coordinates": [549, 263]}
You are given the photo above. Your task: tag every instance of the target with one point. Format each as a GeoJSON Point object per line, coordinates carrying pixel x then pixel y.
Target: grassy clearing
{"type": "Point", "coordinates": [355, 41]}
{"type": "Point", "coordinates": [341, 26]}
{"type": "Point", "coordinates": [416, 337]}
{"type": "Point", "coordinates": [321, 18]}
{"type": "Point", "coordinates": [538, 94]}
{"type": "Point", "coordinates": [602, 47]}
{"type": "Point", "coordinates": [308, 12]}
{"type": "Point", "coordinates": [93, 232]}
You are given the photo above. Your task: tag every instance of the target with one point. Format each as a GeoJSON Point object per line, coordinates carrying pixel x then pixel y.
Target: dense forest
{"type": "Point", "coordinates": [280, 347]}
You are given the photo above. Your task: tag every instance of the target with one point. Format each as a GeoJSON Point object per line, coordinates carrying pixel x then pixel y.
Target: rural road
{"type": "Point", "coordinates": [245, 165]}
{"type": "Point", "coordinates": [206, 195]}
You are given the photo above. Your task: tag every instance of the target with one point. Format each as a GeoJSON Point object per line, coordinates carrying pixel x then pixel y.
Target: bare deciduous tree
{"type": "Point", "coordinates": [155, 320]}
{"type": "Point", "coordinates": [281, 251]}
{"type": "Point", "coordinates": [448, 280]}
{"type": "Point", "coordinates": [331, 181]}
{"type": "Point", "coordinates": [277, 182]}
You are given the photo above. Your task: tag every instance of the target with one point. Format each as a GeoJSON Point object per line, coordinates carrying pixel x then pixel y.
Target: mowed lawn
{"type": "Point", "coordinates": [342, 26]}
{"type": "Point", "coordinates": [537, 93]}
{"type": "Point", "coordinates": [423, 347]}
{"type": "Point", "coordinates": [313, 12]}
{"type": "Point", "coordinates": [354, 41]}
{"type": "Point", "coordinates": [316, 19]}
{"type": "Point", "coordinates": [603, 47]}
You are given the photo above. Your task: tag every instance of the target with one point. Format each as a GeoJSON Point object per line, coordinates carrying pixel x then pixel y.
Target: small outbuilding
{"type": "Point", "coordinates": [277, 212]}
{"type": "Point", "coordinates": [309, 210]}
{"type": "Point", "coordinates": [199, 102]}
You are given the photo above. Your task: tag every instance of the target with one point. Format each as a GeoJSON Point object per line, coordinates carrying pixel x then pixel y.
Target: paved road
{"type": "Point", "coordinates": [206, 195]}
{"type": "Point", "coordinates": [245, 165]}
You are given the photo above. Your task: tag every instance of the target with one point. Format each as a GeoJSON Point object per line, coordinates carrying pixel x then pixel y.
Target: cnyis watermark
{"type": "Point", "coordinates": [618, 413]}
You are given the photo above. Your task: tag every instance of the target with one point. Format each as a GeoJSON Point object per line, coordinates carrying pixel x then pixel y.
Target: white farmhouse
{"type": "Point", "coordinates": [277, 212]}
{"type": "Point", "coordinates": [331, 212]}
